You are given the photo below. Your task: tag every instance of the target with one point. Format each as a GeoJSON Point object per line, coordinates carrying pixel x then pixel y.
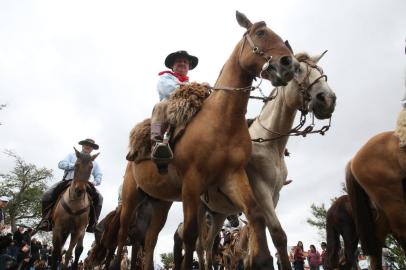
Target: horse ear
{"type": "Point", "coordinates": [77, 152]}
{"type": "Point", "coordinates": [288, 45]}
{"type": "Point", "coordinates": [243, 20]}
{"type": "Point", "coordinates": [95, 156]}
{"type": "Point", "coordinates": [316, 59]}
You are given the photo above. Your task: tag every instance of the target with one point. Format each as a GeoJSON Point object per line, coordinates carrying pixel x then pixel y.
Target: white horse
{"type": "Point", "coordinates": [266, 170]}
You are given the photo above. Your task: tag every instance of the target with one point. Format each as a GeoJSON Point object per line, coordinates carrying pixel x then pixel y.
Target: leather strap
{"type": "Point", "coordinates": [69, 210]}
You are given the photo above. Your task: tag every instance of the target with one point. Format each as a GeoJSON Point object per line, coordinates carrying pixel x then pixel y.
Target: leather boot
{"type": "Point", "coordinates": [161, 152]}
{"type": "Point", "coordinates": [94, 217]}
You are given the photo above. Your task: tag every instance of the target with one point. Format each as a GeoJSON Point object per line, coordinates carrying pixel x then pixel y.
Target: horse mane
{"type": "Point", "coordinates": [303, 57]}
{"type": "Point", "coordinates": [400, 130]}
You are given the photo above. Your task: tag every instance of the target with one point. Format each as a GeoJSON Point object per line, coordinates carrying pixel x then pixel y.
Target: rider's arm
{"type": "Point", "coordinates": [167, 83]}
{"type": "Point", "coordinates": [97, 174]}
{"type": "Point", "coordinates": [68, 163]}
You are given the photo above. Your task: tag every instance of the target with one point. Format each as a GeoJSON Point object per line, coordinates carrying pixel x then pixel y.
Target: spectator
{"type": "Point", "coordinates": [12, 249]}
{"type": "Point", "coordinates": [313, 258]}
{"type": "Point", "coordinates": [298, 257]}
{"type": "Point", "coordinates": [18, 236]}
{"type": "Point", "coordinates": [23, 258]}
{"type": "Point", "coordinates": [35, 248]}
{"type": "Point", "coordinates": [27, 236]}
{"type": "Point", "coordinates": [3, 204]}
{"type": "Point", "coordinates": [323, 256]}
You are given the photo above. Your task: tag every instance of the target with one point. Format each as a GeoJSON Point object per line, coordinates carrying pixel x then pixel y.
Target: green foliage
{"type": "Point", "coordinates": [318, 220]}
{"type": "Point", "coordinates": [395, 251]}
{"type": "Point", "coordinates": [167, 260]}
{"type": "Point", "coordinates": [24, 185]}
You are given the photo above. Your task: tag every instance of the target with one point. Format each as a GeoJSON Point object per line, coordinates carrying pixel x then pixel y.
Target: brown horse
{"type": "Point", "coordinates": [340, 221]}
{"type": "Point", "coordinates": [216, 145]}
{"type": "Point", "coordinates": [71, 212]}
{"type": "Point", "coordinates": [376, 176]}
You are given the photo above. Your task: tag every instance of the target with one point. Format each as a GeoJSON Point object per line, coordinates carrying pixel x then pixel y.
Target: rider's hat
{"type": "Point", "coordinates": [4, 199]}
{"type": "Point", "coordinates": [170, 59]}
{"type": "Point", "coordinates": [89, 142]}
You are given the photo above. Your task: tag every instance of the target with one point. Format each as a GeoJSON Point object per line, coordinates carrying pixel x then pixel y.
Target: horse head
{"type": "Point", "coordinates": [264, 54]}
{"type": "Point", "coordinates": [309, 91]}
{"type": "Point", "coordinates": [83, 169]}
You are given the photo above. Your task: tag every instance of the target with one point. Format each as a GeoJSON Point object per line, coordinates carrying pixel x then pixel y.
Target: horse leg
{"type": "Point", "coordinates": [237, 188]}
{"type": "Point", "coordinates": [215, 227]}
{"type": "Point", "coordinates": [276, 231]}
{"type": "Point", "coordinates": [191, 201]}
{"type": "Point", "coordinates": [58, 239]}
{"type": "Point", "coordinates": [350, 245]}
{"type": "Point", "coordinates": [161, 209]}
{"type": "Point", "coordinates": [72, 244]}
{"type": "Point", "coordinates": [78, 250]}
{"type": "Point", "coordinates": [126, 216]}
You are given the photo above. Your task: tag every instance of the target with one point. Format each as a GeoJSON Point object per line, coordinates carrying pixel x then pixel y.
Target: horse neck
{"type": "Point", "coordinates": [277, 116]}
{"type": "Point", "coordinates": [232, 103]}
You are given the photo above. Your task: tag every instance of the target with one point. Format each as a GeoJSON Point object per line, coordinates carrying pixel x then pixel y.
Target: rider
{"type": "Point", "coordinates": [180, 63]}
{"type": "Point", "coordinates": [68, 165]}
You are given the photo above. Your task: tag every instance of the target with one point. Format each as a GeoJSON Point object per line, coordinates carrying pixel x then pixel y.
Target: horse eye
{"type": "Point", "coordinates": [260, 33]}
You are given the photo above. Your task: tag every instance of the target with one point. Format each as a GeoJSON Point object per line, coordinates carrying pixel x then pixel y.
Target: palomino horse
{"type": "Point", "coordinates": [340, 221]}
{"type": "Point", "coordinates": [376, 176]}
{"type": "Point", "coordinates": [270, 131]}
{"type": "Point", "coordinates": [216, 145]}
{"type": "Point", "coordinates": [71, 212]}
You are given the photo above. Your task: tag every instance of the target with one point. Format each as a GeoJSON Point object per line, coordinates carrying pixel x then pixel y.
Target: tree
{"type": "Point", "coordinates": [319, 213]}
{"type": "Point", "coordinates": [167, 259]}
{"type": "Point", "coordinates": [24, 185]}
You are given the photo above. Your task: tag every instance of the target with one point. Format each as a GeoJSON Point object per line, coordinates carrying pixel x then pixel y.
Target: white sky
{"type": "Point", "coordinates": [76, 69]}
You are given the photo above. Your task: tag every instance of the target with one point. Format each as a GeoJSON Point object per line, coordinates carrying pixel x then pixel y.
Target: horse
{"type": "Point", "coordinates": [236, 250]}
{"type": "Point", "coordinates": [340, 222]}
{"type": "Point", "coordinates": [71, 212]}
{"type": "Point", "coordinates": [216, 146]}
{"type": "Point", "coordinates": [266, 169]}
{"type": "Point", "coordinates": [105, 235]}
{"type": "Point", "coordinates": [178, 248]}
{"type": "Point", "coordinates": [375, 179]}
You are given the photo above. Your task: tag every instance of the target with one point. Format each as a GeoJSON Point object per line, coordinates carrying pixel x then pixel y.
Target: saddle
{"type": "Point", "coordinates": [183, 104]}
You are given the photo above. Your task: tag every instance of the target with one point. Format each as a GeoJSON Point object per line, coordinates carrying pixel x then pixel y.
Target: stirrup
{"type": "Point", "coordinates": [161, 153]}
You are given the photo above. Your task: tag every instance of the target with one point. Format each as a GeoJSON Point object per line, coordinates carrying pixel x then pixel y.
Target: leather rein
{"type": "Point", "coordinates": [304, 88]}
{"type": "Point", "coordinates": [67, 208]}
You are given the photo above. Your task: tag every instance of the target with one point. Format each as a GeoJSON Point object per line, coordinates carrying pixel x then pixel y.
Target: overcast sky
{"type": "Point", "coordinates": [70, 70]}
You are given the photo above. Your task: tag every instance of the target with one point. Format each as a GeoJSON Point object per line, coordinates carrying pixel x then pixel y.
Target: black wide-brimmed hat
{"type": "Point", "coordinates": [170, 59]}
{"type": "Point", "coordinates": [89, 142]}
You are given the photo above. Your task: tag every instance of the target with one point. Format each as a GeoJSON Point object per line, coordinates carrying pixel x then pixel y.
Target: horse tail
{"type": "Point", "coordinates": [362, 213]}
{"type": "Point", "coordinates": [177, 247]}
{"type": "Point", "coordinates": [99, 251]}
{"type": "Point", "coordinates": [333, 240]}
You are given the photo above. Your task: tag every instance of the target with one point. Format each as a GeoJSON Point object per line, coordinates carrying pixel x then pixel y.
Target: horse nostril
{"type": "Point", "coordinates": [286, 60]}
{"type": "Point", "coordinates": [320, 97]}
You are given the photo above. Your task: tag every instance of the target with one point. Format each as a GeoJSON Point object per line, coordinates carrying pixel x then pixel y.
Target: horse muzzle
{"type": "Point", "coordinates": [281, 72]}
{"type": "Point", "coordinates": [323, 106]}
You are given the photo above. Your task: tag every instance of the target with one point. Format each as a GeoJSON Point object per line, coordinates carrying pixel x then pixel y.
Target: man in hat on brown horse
{"type": "Point", "coordinates": [180, 63]}
{"type": "Point", "coordinates": [68, 165]}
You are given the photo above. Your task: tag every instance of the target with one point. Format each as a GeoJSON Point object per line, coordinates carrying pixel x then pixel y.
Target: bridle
{"type": "Point", "coordinates": [257, 51]}
{"type": "Point", "coordinates": [304, 88]}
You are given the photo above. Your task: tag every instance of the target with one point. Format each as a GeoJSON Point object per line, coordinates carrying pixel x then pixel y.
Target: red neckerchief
{"type": "Point", "coordinates": [181, 78]}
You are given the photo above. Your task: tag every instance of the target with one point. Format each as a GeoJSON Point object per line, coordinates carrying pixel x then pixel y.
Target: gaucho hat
{"type": "Point", "coordinates": [89, 142]}
{"type": "Point", "coordinates": [170, 59]}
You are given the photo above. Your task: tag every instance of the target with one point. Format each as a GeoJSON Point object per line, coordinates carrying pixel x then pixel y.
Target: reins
{"type": "Point", "coordinates": [297, 130]}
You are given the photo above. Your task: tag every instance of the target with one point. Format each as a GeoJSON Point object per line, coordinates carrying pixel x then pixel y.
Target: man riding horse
{"type": "Point", "coordinates": [180, 63]}
{"type": "Point", "coordinates": [68, 165]}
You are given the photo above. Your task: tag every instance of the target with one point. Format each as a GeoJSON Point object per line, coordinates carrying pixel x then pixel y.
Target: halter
{"type": "Point", "coordinates": [304, 89]}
